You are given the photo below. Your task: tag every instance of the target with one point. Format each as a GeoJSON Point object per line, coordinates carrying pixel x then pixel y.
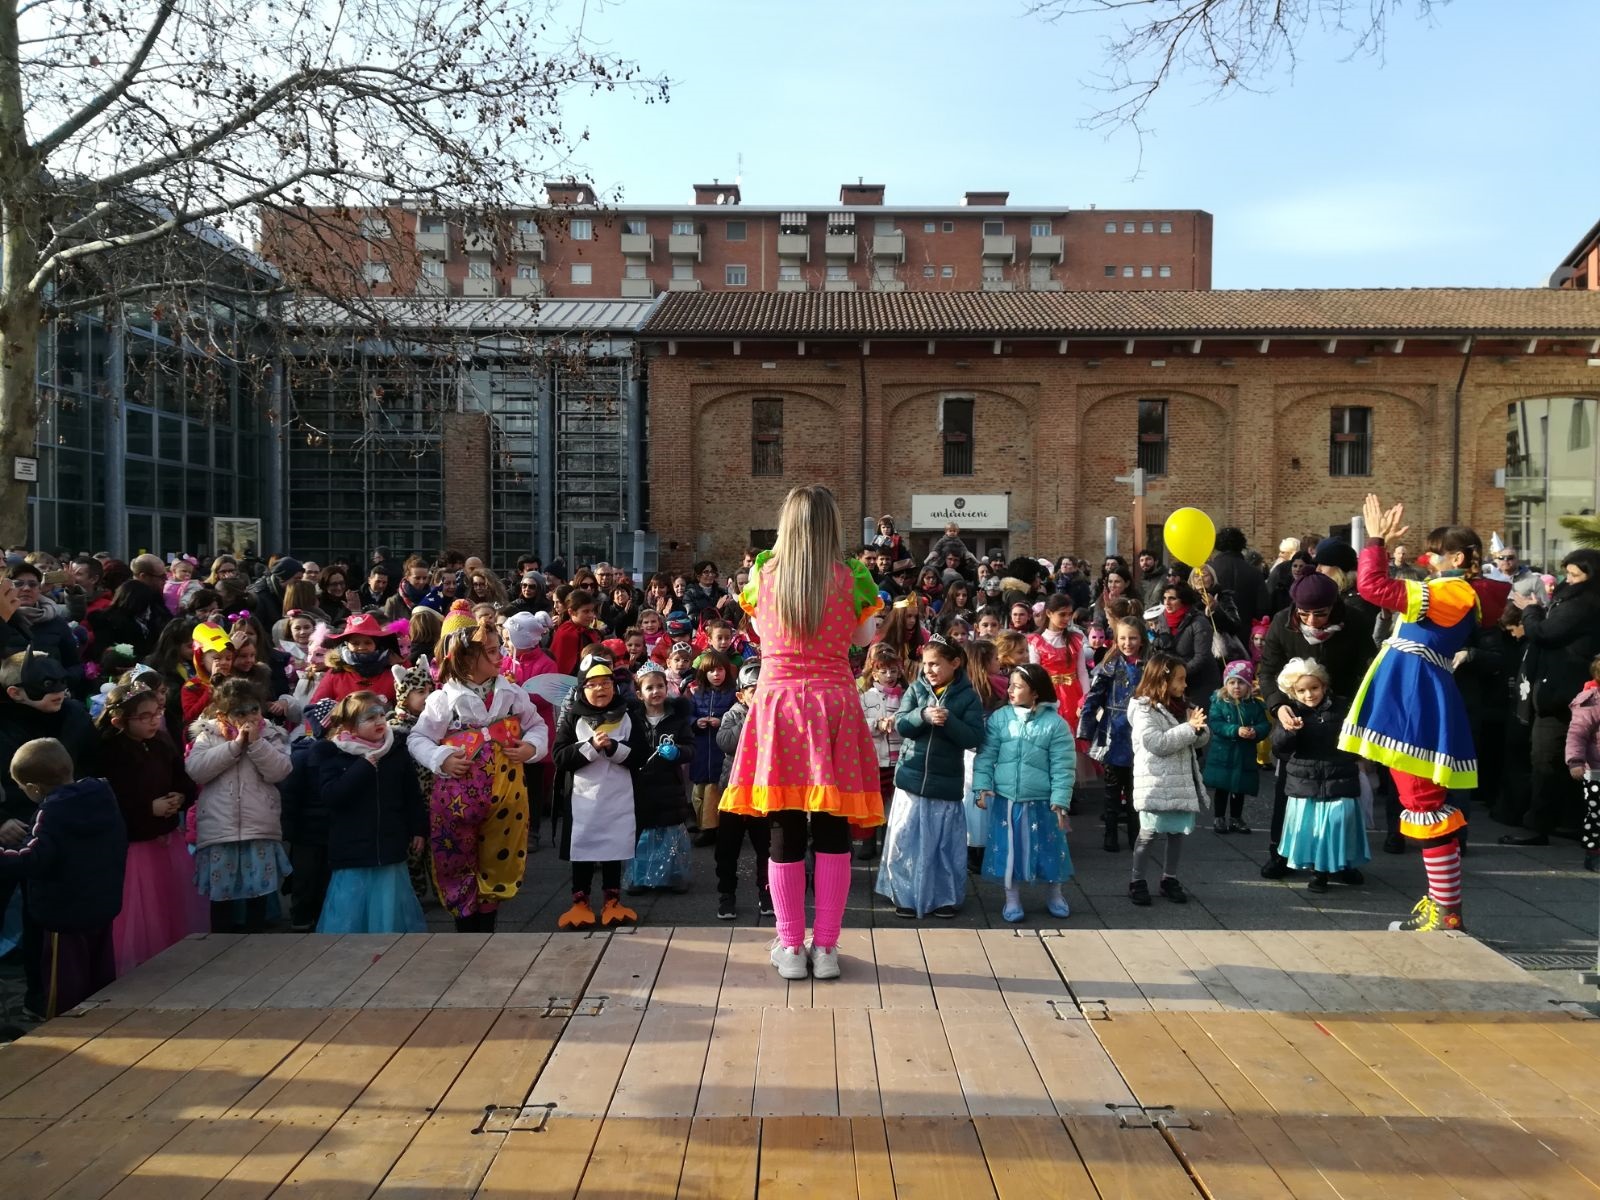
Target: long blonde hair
{"type": "Point", "coordinates": [810, 544]}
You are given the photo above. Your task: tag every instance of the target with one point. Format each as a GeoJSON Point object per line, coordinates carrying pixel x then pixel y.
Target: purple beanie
{"type": "Point", "coordinates": [1314, 591]}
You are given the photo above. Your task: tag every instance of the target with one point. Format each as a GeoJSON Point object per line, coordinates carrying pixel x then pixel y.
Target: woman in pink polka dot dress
{"type": "Point", "coordinates": [806, 757]}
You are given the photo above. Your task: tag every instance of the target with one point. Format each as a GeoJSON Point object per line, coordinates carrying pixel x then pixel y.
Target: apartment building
{"type": "Point", "coordinates": [578, 248]}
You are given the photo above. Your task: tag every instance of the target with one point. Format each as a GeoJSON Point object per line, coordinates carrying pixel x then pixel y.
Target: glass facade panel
{"type": "Point", "coordinates": [1552, 470]}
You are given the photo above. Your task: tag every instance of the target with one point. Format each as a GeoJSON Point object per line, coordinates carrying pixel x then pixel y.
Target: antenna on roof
{"type": "Point", "coordinates": [738, 177]}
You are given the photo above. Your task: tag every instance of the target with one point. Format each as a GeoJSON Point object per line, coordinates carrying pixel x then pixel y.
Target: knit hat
{"type": "Point", "coordinates": [409, 679]}
{"type": "Point", "coordinates": [459, 617]}
{"type": "Point", "coordinates": [1314, 591]}
{"type": "Point", "coordinates": [525, 630]}
{"type": "Point", "coordinates": [1335, 552]}
{"type": "Point", "coordinates": [286, 569]}
{"type": "Point", "coordinates": [1239, 668]}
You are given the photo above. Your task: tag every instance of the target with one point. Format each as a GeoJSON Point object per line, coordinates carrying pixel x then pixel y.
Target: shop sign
{"type": "Point", "coordinates": [969, 512]}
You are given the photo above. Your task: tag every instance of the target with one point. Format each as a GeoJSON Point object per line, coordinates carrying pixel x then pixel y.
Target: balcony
{"type": "Point", "coordinates": [528, 241]}
{"type": "Point", "coordinates": [639, 289]}
{"type": "Point", "coordinates": [433, 241]}
{"type": "Point", "coordinates": [999, 285]}
{"type": "Point", "coordinates": [478, 241]}
{"type": "Point", "coordinates": [432, 285]}
{"type": "Point", "coordinates": [639, 244]}
{"type": "Point", "coordinates": [1047, 285]}
{"type": "Point", "coordinates": [475, 285]}
{"type": "Point", "coordinates": [888, 285]}
{"type": "Point", "coordinates": [682, 285]}
{"type": "Point", "coordinates": [1000, 246]}
{"type": "Point", "coordinates": [527, 285]}
{"type": "Point", "coordinates": [795, 245]}
{"type": "Point", "coordinates": [793, 285]}
{"type": "Point", "coordinates": [685, 245]}
{"type": "Point", "coordinates": [839, 285]}
{"type": "Point", "coordinates": [840, 245]}
{"type": "Point", "coordinates": [889, 245]}
{"type": "Point", "coordinates": [1046, 247]}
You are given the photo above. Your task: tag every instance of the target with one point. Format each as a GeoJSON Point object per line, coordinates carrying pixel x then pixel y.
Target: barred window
{"type": "Point", "coordinates": [1153, 436]}
{"type": "Point", "coordinates": [1350, 442]}
{"type": "Point", "coordinates": [955, 426]}
{"type": "Point", "coordinates": [766, 436]}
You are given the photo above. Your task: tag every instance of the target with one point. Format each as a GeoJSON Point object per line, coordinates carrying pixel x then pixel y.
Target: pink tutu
{"type": "Point", "coordinates": [159, 903]}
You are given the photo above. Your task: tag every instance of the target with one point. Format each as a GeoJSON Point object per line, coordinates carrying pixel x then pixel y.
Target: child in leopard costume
{"type": "Point", "coordinates": [412, 686]}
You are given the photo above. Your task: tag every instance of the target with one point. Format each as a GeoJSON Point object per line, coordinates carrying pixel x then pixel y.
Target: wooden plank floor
{"type": "Point", "coordinates": [663, 1062]}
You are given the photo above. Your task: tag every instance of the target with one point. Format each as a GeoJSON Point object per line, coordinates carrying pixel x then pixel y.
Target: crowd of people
{"type": "Point", "coordinates": [218, 745]}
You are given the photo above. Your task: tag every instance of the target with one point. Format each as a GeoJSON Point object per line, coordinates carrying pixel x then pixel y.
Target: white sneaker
{"type": "Point", "coordinates": [790, 960]}
{"type": "Point", "coordinates": [824, 962]}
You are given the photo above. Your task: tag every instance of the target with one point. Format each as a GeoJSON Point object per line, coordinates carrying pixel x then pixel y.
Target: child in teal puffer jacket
{"type": "Point", "coordinates": [1237, 719]}
{"type": "Point", "coordinates": [1024, 776]}
{"type": "Point", "coordinates": [924, 864]}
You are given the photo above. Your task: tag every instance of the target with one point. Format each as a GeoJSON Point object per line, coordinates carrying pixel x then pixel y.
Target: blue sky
{"type": "Point", "coordinates": [1458, 158]}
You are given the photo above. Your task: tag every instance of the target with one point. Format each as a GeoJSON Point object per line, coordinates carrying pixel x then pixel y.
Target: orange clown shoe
{"type": "Point", "coordinates": [615, 912]}
{"type": "Point", "coordinates": [579, 916]}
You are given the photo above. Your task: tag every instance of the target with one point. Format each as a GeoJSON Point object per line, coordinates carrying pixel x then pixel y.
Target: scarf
{"type": "Point", "coordinates": [371, 751]}
{"type": "Point", "coordinates": [1174, 619]}
{"type": "Point", "coordinates": [1317, 636]}
{"type": "Point", "coordinates": [40, 612]}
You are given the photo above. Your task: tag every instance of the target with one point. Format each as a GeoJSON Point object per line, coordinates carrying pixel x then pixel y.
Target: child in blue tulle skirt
{"type": "Point", "coordinates": [375, 819]}
{"type": "Point", "coordinates": [661, 806]}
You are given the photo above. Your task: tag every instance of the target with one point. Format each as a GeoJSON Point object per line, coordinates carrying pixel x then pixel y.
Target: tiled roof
{"type": "Point", "coordinates": [1520, 312]}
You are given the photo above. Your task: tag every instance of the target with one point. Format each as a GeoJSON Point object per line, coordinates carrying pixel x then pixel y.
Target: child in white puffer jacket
{"type": "Point", "coordinates": [1168, 790]}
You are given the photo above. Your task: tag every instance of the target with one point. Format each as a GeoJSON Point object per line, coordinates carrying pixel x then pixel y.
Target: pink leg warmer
{"type": "Point", "coordinates": [832, 884]}
{"type": "Point", "coordinates": [788, 884]}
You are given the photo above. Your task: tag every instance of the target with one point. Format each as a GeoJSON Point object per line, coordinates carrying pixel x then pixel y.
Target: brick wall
{"type": "Point", "coordinates": [466, 482]}
{"type": "Point", "coordinates": [1054, 430]}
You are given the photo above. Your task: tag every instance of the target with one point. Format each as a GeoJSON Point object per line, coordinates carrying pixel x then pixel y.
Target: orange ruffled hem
{"type": "Point", "coordinates": [860, 808]}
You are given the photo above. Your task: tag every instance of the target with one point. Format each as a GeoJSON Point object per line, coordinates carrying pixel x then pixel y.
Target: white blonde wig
{"type": "Point", "coordinates": [1296, 668]}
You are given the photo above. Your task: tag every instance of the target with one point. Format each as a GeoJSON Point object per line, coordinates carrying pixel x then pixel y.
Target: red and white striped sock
{"type": "Point", "coordinates": [1443, 864]}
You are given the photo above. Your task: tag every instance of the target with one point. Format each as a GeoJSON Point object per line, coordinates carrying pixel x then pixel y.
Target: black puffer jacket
{"type": "Point", "coordinates": [1561, 643]}
{"type": "Point", "coordinates": [18, 724]}
{"type": "Point", "coordinates": [373, 812]}
{"type": "Point", "coordinates": [1192, 643]}
{"type": "Point", "coordinates": [73, 858]}
{"type": "Point", "coordinates": [1314, 767]}
{"type": "Point", "coordinates": [660, 791]}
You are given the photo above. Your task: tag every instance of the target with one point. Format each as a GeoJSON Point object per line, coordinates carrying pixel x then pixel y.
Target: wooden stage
{"type": "Point", "coordinates": [946, 1063]}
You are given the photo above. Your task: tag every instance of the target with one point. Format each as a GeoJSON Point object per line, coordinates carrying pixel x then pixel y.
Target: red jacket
{"type": "Point", "coordinates": [567, 644]}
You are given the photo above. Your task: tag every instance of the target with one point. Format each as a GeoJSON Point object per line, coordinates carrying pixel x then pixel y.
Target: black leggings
{"type": "Point", "coordinates": [583, 876]}
{"type": "Point", "coordinates": [1119, 797]}
{"type": "Point", "coordinates": [827, 833]}
{"type": "Point", "coordinates": [255, 915]}
{"type": "Point", "coordinates": [478, 922]}
{"type": "Point", "coordinates": [1227, 804]}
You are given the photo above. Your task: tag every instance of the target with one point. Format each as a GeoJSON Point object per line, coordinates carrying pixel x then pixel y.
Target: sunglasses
{"type": "Point", "coordinates": [1313, 612]}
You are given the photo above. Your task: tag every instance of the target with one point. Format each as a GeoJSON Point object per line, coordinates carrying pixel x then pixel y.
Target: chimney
{"type": "Point", "coordinates": [563, 192]}
{"type": "Point", "coordinates": [861, 193]}
{"type": "Point", "coordinates": [716, 193]}
{"type": "Point", "coordinates": [985, 199]}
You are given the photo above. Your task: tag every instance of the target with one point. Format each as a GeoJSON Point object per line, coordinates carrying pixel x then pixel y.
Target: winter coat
{"type": "Point", "coordinates": [1192, 644]}
{"type": "Point", "coordinates": [1561, 643]}
{"type": "Point", "coordinates": [73, 858]}
{"type": "Point", "coordinates": [599, 822]}
{"type": "Point", "coordinates": [728, 734]}
{"type": "Point", "coordinates": [50, 635]}
{"type": "Point", "coordinates": [140, 773]}
{"type": "Point", "coordinates": [305, 811]}
{"type": "Point", "coordinates": [568, 641]}
{"type": "Point", "coordinates": [1314, 767]}
{"type": "Point", "coordinates": [373, 811]}
{"type": "Point", "coordinates": [1249, 587]}
{"type": "Point", "coordinates": [1482, 676]}
{"type": "Point", "coordinates": [1166, 775]}
{"type": "Point", "coordinates": [1027, 755]}
{"type": "Point", "coordinates": [701, 602]}
{"type": "Point", "coordinates": [1346, 654]}
{"type": "Point", "coordinates": [239, 801]}
{"type": "Point", "coordinates": [660, 798]}
{"type": "Point", "coordinates": [1104, 720]}
{"type": "Point", "coordinates": [1076, 588]}
{"type": "Point", "coordinates": [875, 706]}
{"type": "Point", "coordinates": [931, 762]}
{"type": "Point", "coordinates": [706, 764]}
{"type": "Point", "coordinates": [265, 600]}
{"type": "Point", "coordinates": [139, 626]}
{"type": "Point", "coordinates": [345, 681]}
{"type": "Point", "coordinates": [1231, 761]}
{"type": "Point", "coordinates": [18, 724]}
{"type": "Point", "coordinates": [1583, 733]}
{"type": "Point", "coordinates": [455, 707]}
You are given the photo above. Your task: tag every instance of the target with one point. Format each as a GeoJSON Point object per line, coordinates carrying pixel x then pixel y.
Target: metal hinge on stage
{"type": "Point", "coordinates": [1037, 933]}
{"type": "Point", "coordinates": [573, 1006]}
{"type": "Point", "coordinates": [1093, 1010]}
{"type": "Point", "coordinates": [514, 1118]}
{"type": "Point", "coordinates": [1151, 1116]}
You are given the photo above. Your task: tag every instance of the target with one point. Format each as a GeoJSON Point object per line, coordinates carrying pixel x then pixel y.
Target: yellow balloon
{"type": "Point", "coordinates": [1190, 537]}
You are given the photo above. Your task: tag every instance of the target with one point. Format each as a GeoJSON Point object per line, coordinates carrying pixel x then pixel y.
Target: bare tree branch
{"type": "Point", "coordinates": [68, 128]}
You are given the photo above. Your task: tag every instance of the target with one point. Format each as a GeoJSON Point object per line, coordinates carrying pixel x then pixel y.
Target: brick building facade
{"type": "Point", "coordinates": [577, 248]}
{"type": "Point", "coordinates": [1274, 411]}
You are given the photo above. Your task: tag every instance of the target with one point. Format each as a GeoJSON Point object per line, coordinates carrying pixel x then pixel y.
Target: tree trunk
{"type": "Point", "coordinates": [20, 307]}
